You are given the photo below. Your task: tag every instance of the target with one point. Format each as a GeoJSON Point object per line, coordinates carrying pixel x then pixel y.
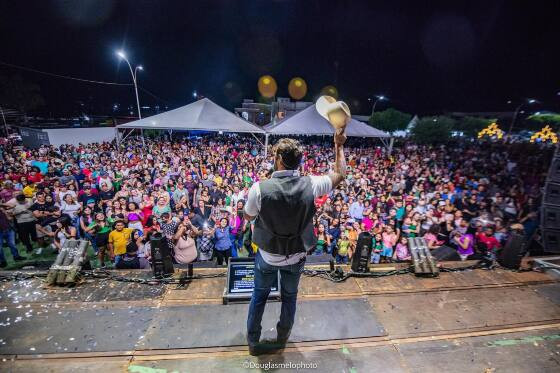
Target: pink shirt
{"type": "Point", "coordinates": [389, 240]}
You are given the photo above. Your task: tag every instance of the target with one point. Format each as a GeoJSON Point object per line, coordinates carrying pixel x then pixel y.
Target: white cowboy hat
{"type": "Point", "coordinates": [327, 104]}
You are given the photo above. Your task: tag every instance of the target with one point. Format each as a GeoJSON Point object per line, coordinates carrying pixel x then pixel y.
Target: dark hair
{"type": "Point", "coordinates": [65, 220]}
{"type": "Point", "coordinates": [290, 153]}
{"type": "Point", "coordinates": [20, 198]}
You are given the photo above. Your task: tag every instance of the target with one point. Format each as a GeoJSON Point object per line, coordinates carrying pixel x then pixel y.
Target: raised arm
{"type": "Point", "coordinates": [339, 159]}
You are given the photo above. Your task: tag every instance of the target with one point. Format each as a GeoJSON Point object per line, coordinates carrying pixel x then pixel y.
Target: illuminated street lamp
{"type": "Point", "coordinates": [528, 101]}
{"type": "Point", "coordinates": [378, 98]}
{"type": "Point", "coordinates": [134, 72]}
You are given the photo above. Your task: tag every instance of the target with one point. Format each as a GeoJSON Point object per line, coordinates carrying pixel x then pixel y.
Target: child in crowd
{"type": "Point", "coordinates": [414, 227]}
{"type": "Point", "coordinates": [377, 246]}
{"type": "Point", "coordinates": [401, 251]}
{"type": "Point", "coordinates": [406, 227]}
{"type": "Point", "coordinates": [343, 249]}
{"type": "Point", "coordinates": [389, 239]}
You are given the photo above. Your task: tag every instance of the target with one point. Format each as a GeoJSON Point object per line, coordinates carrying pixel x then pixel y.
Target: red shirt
{"type": "Point", "coordinates": [35, 179]}
{"type": "Point", "coordinates": [16, 178]}
{"type": "Point", "coordinates": [490, 242]}
{"type": "Point", "coordinates": [319, 201]}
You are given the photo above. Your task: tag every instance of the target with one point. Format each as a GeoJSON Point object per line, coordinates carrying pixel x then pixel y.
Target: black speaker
{"type": "Point", "coordinates": [162, 264]}
{"type": "Point", "coordinates": [513, 251]}
{"type": "Point", "coordinates": [445, 253]}
{"type": "Point", "coordinates": [554, 171]}
{"type": "Point", "coordinates": [550, 217]}
{"type": "Point", "coordinates": [552, 194]}
{"type": "Point", "coordinates": [360, 259]}
{"type": "Point", "coordinates": [551, 240]}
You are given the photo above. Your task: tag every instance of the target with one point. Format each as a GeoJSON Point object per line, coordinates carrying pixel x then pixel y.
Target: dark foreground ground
{"type": "Point", "coordinates": [470, 321]}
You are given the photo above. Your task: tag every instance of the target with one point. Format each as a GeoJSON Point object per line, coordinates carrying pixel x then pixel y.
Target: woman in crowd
{"type": "Point", "coordinates": [99, 230]}
{"type": "Point", "coordinates": [134, 216]}
{"type": "Point", "coordinates": [86, 218]}
{"type": "Point", "coordinates": [223, 246]}
{"type": "Point", "coordinates": [236, 224]}
{"type": "Point", "coordinates": [323, 240]}
{"type": "Point", "coordinates": [70, 207]}
{"type": "Point", "coordinates": [185, 246]}
{"type": "Point", "coordinates": [464, 243]}
{"type": "Point", "coordinates": [64, 231]}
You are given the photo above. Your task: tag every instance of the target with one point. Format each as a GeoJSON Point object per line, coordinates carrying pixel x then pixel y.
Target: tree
{"type": "Point", "coordinates": [390, 120]}
{"type": "Point", "coordinates": [471, 126]}
{"type": "Point", "coordinates": [433, 129]}
{"type": "Point", "coordinates": [21, 95]}
{"type": "Point", "coordinates": [537, 121]}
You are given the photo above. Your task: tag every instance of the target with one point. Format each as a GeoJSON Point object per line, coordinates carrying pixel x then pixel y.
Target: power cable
{"type": "Point", "coordinates": [63, 76]}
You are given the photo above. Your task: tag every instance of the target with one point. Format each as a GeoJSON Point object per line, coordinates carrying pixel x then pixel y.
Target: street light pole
{"type": "Point", "coordinates": [4, 118]}
{"type": "Point", "coordinates": [515, 113]}
{"type": "Point", "coordinates": [133, 73]}
{"type": "Point", "coordinates": [379, 98]}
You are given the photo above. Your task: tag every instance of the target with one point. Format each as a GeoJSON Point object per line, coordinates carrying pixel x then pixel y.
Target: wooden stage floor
{"type": "Point", "coordinates": [469, 321]}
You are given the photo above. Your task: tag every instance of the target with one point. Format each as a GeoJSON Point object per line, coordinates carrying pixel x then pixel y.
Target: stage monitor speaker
{"type": "Point", "coordinates": [554, 171]}
{"type": "Point", "coordinates": [513, 251]}
{"type": "Point", "coordinates": [360, 259]}
{"type": "Point", "coordinates": [552, 194]}
{"type": "Point", "coordinates": [445, 253]}
{"type": "Point", "coordinates": [551, 240]}
{"type": "Point", "coordinates": [162, 264]}
{"type": "Point", "coordinates": [550, 217]}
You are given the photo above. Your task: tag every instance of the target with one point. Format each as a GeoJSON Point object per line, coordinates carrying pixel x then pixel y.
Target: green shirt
{"type": "Point", "coordinates": [105, 229]}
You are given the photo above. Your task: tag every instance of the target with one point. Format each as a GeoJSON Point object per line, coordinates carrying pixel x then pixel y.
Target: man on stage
{"type": "Point", "coordinates": [284, 208]}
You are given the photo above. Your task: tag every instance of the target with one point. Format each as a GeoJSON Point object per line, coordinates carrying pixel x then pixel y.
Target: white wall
{"type": "Point", "coordinates": [75, 136]}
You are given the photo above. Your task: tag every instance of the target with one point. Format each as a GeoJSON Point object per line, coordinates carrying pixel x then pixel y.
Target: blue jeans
{"type": "Point", "coordinates": [10, 237]}
{"type": "Point", "coordinates": [91, 239]}
{"type": "Point", "coordinates": [341, 259]}
{"type": "Point", "coordinates": [332, 245]}
{"type": "Point", "coordinates": [237, 244]}
{"type": "Point", "coordinates": [265, 278]}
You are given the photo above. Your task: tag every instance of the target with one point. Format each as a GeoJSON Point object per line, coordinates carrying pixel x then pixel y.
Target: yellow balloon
{"type": "Point", "coordinates": [330, 90]}
{"type": "Point", "coordinates": [267, 86]}
{"type": "Point", "coordinates": [297, 88]}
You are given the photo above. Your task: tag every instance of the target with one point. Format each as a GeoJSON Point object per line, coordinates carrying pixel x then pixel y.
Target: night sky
{"type": "Point", "coordinates": [427, 56]}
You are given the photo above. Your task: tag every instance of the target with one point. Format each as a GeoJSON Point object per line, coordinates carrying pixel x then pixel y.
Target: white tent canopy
{"type": "Point", "coordinates": [310, 122]}
{"type": "Point", "coordinates": [203, 115]}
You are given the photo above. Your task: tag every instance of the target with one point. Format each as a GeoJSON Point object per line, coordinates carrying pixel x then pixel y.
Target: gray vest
{"type": "Point", "coordinates": [284, 225]}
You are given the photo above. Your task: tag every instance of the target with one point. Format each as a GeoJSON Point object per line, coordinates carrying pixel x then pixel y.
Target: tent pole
{"type": "Point", "coordinates": [124, 138]}
{"type": "Point", "coordinates": [391, 142]}
{"type": "Point", "coordinates": [256, 138]}
{"type": "Point", "coordinates": [142, 134]}
{"type": "Point", "coordinates": [265, 145]}
{"type": "Point", "coordinates": [383, 141]}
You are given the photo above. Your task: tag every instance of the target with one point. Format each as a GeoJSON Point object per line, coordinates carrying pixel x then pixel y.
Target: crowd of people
{"type": "Point", "coordinates": [192, 191]}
